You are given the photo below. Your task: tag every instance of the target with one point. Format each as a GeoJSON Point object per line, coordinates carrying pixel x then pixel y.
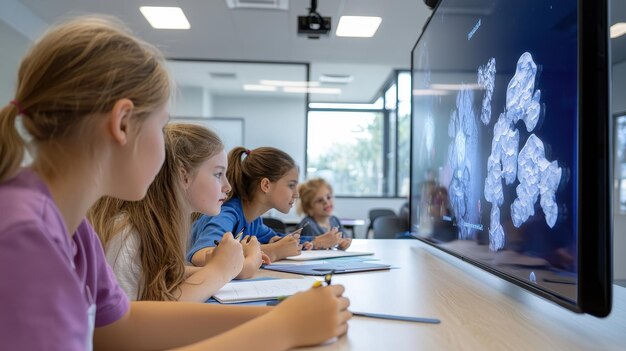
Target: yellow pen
{"type": "Point", "coordinates": [240, 233]}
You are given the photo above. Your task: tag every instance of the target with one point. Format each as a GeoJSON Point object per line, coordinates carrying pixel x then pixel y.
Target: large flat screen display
{"type": "Point", "coordinates": [510, 143]}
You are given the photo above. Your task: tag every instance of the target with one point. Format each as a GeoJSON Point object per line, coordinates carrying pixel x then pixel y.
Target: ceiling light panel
{"type": "Point", "coordinates": [165, 17]}
{"type": "Point", "coordinates": [358, 26]}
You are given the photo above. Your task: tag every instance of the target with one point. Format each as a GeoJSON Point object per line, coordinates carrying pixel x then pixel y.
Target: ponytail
{"type": "Point", "coordinates": [11, 144]}
{"type": "Point", "coordinates": [245, 173]}
{"type": "Point", "coordinates": [235, 173]}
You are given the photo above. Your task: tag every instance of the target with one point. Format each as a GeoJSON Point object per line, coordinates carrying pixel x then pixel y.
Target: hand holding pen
{"type": "Point", "coordinates": [315, 315]}
{"type": "Point", "coordinates": [228, 256]}
{"type": "Point", "coordinates": [295, 234]}
{"type": "Point", "coordinates": [238, 237]}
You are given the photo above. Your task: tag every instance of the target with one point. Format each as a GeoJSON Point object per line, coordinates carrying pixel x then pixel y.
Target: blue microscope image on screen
{"type": "Point", "coordinates": [494, 136]}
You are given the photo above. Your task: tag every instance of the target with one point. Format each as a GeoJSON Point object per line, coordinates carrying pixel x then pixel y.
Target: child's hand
{"type": "Point", "coordinates": [253, 257]}
{"type": "Point", "coordinates": [327, 240]}
{"type": "Point", "coordinates": [314, 316]}
{"type": "Point", "coordinates": [344, 243]}
{"type": "Point", "coordinates": [287, 246]}
{"type": "Point", "coordinates": [307, 245]}
{"type": "Point", "coordinates": [266, 258]}
{"type": "Point", "coordinates": [274, 239]}
{"type": "Point", "coordinates": [228, 255]}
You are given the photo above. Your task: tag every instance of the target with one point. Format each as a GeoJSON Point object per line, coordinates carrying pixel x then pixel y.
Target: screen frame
{"type": "Point", "coordinates": [595, 257]}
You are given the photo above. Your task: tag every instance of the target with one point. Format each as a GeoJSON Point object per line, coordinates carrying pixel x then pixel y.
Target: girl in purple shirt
{"type": "Point", "coordinates": [90, 105]}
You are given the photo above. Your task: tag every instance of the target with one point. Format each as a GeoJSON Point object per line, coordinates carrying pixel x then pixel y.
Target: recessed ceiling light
{"type": "Point", "coordinates": [336, 78]}
{"type": "Point", "coordinates": [358, 26]}
{"type": "Point", "coordinates": [289, 83]}
{"type": "Point", "coordinates": [165, 17]}
{"type": "Point", "coordinates": [257, 87]}
{"type": "Point", "coordinates": [618, 29]}
{"type": "Point", "coordinates": [309, 90]}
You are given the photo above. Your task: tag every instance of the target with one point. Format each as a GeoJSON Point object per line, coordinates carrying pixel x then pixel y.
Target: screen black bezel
{"type": "Point", "coordinates": [595, 276]}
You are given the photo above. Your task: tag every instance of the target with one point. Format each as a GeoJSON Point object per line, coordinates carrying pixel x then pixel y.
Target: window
{"type": "Point", "coordinates": [345, 148]}
{"type": "Point", "coordinates": [363, 149]}
{"type": "Point", "coordinates": [620, 163]}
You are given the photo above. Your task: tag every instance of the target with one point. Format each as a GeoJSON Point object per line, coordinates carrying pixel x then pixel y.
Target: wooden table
{"type": "Point", "coordinates": [478, 311]}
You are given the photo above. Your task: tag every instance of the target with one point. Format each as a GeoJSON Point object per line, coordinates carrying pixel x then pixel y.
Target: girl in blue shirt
{"type": "Point", "coordinates": [261, 179]}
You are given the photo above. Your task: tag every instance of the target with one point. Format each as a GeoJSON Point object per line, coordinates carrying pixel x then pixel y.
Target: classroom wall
{"type": "Point", "coordinates": [192, 102]}
{"type": "Point", "coordinates": [14, 46]}
{"type": "Point", "coordinates": [619, 225]}
{"type": "Point", "coordinates": [269, 121]}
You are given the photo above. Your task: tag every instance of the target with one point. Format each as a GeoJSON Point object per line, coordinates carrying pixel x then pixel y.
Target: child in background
{"type": "Point", "coordinates": [316, 202]}
{"type": "Point", "coordinates": [92, 101]}
{"type": "Point", "coordinates": [261, 179]}
{"type": "Point", "coordinates": [145, 241]}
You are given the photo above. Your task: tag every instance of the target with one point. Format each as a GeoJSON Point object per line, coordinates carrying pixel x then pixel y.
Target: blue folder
{"type": "Point", "coordinates": [324, 268]}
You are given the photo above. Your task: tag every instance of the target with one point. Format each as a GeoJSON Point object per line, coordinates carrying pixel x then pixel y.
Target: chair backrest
{"type": "Point", "coordinates": [378, 212]}
{"type": "Point", "coordinates": [389, 227]}
{"type": "Point", "coordinates": [276, 224]}
{"type": "Point", "coordinates": [405, 211]}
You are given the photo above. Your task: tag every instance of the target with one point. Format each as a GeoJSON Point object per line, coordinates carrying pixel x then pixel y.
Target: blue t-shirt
{"type": "Point", "coordinates": [207, 229]}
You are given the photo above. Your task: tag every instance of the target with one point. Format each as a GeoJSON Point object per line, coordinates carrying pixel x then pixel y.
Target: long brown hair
{"type": "Point", "coordinates": [161, 218]}
{"type": "Point", "coordinates": [307, 191]}
{"type": "Point", "coordinates": [76, 70]}
{"type": "Point", "coordinates": [245, 174]}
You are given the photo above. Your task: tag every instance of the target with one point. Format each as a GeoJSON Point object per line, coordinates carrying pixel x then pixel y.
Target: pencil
{"type": "Point", "coordinates": [240, 233]}
{"type": "Point", "coordinates": [397, 318]}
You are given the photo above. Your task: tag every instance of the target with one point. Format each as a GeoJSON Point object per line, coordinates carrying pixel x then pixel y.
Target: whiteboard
{"type": "Point", "coordinates": [230, 130]}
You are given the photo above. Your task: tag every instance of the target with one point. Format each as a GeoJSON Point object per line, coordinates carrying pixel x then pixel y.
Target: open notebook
{"type": "Point", "coordinates": [258, 290]}
{"type": "Point", "coordinates": [324, 254]}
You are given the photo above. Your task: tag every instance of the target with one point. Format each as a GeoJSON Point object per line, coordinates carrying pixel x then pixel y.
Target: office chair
{"type": "Point", "coordinates": [375, 213]}
{"type": "Point", "coordinates": [276, 224]}
{"type": "Point", "coordinates": [389, 227]}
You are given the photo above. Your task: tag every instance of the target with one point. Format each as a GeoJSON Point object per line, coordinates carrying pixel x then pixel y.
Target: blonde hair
{"type": "Point", "coordinates": [76, 70]}
{"type": "Point", "coordinates": [307, 192]}
{"type": "Point", "coordinates": [161, 218]}
{"type": "Point", "coordinates": [245, 174]}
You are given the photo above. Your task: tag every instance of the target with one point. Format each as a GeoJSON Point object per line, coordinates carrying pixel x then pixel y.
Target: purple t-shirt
{"type": "Point", "coordinates": [48, 279]}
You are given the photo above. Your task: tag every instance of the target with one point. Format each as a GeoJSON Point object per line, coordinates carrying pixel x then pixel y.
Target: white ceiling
{"type": "Point", "coordinates": [219, 33]}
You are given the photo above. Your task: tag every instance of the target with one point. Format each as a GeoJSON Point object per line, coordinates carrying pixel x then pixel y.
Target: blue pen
{"type": "Point", "coordinates": [397, 318]}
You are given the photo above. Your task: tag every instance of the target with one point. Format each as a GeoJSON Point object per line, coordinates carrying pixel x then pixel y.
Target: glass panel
{"type": "Point", "coordinates": [620, 162]}
{"type": "Point", "coordinates": [404, 133]}
{"type": "Point", "coordinates": [346, 149]}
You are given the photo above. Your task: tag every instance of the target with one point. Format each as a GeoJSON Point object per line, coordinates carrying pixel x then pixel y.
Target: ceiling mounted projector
{"type": "Point", "coordinates": [313, 25]}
